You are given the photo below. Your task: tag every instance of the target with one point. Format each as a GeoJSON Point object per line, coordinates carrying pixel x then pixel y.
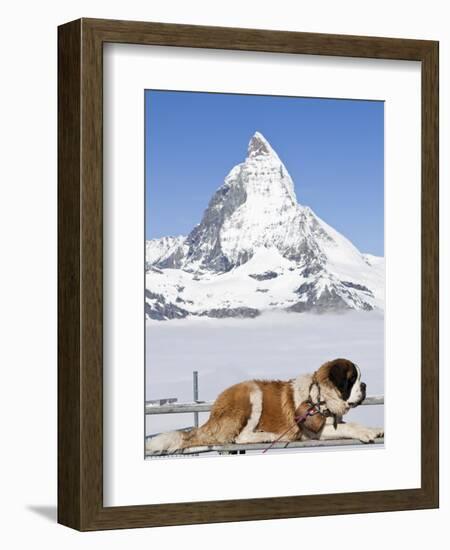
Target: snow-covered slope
{"type": "Point", "coordinates": [257, 249]}
{"type": "Point", "coordinates": [165, 252]}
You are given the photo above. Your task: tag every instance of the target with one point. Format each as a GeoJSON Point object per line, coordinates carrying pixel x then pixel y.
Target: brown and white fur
{"type": "Point", "coordinates": [261, 411]}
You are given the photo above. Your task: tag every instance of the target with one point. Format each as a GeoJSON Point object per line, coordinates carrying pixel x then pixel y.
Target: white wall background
{"type": "Point", "coordinates": [28, 270]}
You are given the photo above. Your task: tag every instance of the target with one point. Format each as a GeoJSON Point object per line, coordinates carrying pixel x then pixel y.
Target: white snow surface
{"type": "Point", "coordinates": [257, 247]}
{"type": "Point", "coordinates": [276, 345]}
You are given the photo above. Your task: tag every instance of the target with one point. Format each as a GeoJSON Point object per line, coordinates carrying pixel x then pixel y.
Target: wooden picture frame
{"type": "Point", "coordinates": [80, 273]}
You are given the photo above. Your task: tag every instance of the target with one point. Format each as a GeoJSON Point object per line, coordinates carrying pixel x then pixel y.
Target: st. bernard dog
{"type": "Point", "coordinates": [263, 411]}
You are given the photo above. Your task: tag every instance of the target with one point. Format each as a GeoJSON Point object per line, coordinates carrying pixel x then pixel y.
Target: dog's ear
{"type": "Point", "coordinates": [338, 375]}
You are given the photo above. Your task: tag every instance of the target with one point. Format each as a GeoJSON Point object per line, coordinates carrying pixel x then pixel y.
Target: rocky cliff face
{"type": "Point", "coordinates": [256, 248]}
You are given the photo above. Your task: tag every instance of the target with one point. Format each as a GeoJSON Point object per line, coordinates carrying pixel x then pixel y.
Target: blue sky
{"type": "Point", "coordinates": [333, 149]}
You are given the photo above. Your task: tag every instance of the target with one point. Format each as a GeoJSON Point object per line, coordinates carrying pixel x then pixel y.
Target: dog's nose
{"type": "Point", "coordinates": [363, 386]}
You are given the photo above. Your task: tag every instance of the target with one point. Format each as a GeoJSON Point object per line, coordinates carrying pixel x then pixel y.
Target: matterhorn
{"type": "Point", "coordinates": [257, 249]}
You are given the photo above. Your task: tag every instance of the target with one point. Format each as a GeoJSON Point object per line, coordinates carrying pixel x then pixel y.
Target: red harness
{"type": "Point", "coordinates": [312, 411]}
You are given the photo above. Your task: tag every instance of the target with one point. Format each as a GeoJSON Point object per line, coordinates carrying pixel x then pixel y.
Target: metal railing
{"type": "Point", "coordinates": [234, 448]}
{"type": "Point", "coordinates": [205, 406]}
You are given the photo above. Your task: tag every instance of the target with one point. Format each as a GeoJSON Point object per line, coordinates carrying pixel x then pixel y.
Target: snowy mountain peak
{"type": "Point", "coordinates": [259, 146]}
{"type": "Point", "coordinates": [253, 208]}
{"type": "Point", "coordinates": [257, 248]}
{"type": "Point", "coordinates": [264, 172]}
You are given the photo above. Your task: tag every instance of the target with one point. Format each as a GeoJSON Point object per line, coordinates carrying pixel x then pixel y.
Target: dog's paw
{"type": "Point", "coordinates": [368, 435]}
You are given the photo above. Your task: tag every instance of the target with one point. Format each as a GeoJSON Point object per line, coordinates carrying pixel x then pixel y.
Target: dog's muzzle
{"type": "Point", "coordinates": [361, 399]}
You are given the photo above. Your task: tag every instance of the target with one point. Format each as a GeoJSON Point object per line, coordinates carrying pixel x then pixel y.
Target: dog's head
{"type": "Point", "coordinates": [341, 385]}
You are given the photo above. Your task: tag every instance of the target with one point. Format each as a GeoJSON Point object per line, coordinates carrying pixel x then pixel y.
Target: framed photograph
{"type": "Point", "coordinates": [248, 274]}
